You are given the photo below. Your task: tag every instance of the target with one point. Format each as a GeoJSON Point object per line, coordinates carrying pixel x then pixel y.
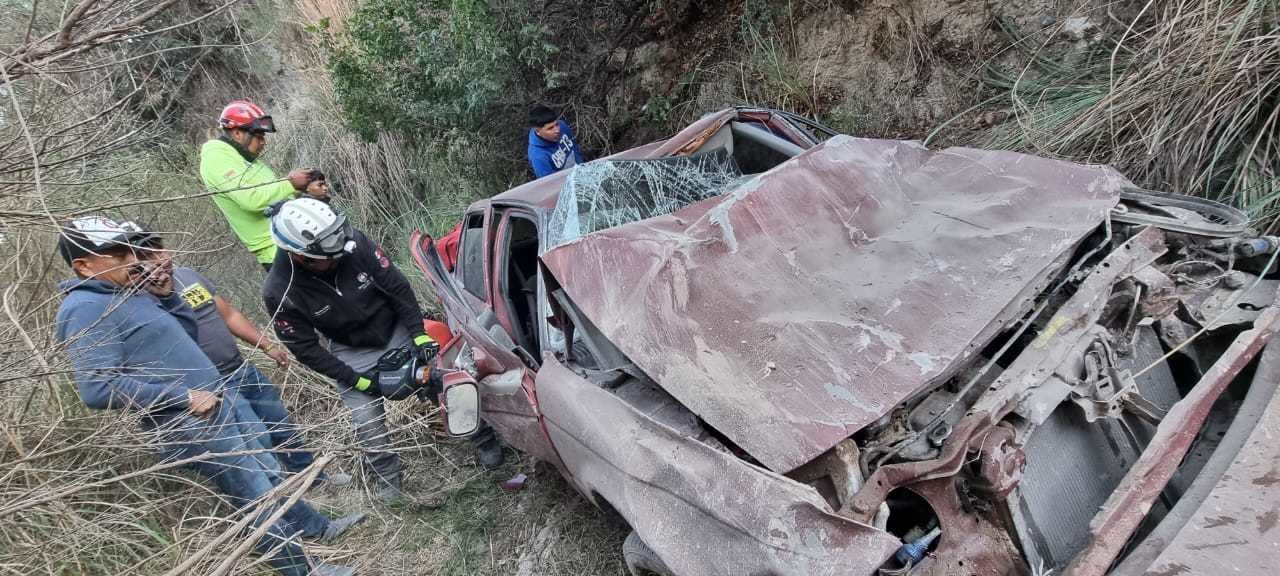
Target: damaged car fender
{"type": "Point", "coordinates": [704, 510]}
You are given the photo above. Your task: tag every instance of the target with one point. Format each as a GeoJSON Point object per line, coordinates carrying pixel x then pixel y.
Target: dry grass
{"type": "Point", "coordinates": [1184, 98]}
{"type": "Point", "coordinates": [332, 12]}
{"type": "Point", "coordinates": [93, 518]}
{"type": "Point", "coordinates": [104, 521]}
{"type": "Point", "coordinates": [769, 72]}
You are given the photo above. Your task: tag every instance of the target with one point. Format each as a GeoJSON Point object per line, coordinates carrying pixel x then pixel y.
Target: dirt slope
{"type": "Point", "coordinates": [874, 67]}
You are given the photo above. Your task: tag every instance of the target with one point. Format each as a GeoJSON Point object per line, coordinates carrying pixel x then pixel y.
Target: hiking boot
{"type": "Point", "coordinates": [338, 527]}
{"type": "Point", "coordinates": [325, 569]}
{"type": "Point", "coordinates": [489, 454]}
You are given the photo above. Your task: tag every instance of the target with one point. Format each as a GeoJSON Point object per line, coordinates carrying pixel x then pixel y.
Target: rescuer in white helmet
{"type": "Point", "coordinates": [331, 279]}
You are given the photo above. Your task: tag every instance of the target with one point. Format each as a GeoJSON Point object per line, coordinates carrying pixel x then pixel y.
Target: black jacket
{"type": "Point", "coordinates": [358, 304]}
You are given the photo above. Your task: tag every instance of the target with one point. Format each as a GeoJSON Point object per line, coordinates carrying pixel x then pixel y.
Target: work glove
{"type": "Point", "coordinates": [367, 382]}
{"type": "Point", "coordinates": [426, 348]}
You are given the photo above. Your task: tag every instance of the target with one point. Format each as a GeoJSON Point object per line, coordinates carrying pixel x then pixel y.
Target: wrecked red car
{"type": "Point", "coordinates": [777, 350]}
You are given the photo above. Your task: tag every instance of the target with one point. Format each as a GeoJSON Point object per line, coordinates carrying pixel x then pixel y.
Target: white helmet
{"type": "Point", "coordinates": [311, 228]}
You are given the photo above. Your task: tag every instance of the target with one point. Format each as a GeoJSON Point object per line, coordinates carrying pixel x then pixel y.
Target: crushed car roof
{"type": "Point", "coordinates": [802, 305]}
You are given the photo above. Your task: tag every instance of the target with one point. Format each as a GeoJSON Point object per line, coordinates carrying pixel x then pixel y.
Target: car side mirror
{"type": "Point", "coordinates": [460, 403]}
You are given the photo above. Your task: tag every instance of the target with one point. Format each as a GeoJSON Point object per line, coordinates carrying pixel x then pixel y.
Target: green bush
{"type": "Point", "coordinates": [423, 68]}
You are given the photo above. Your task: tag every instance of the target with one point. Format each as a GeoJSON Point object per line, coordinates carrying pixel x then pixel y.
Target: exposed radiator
{"type": "Point", "coordinates": [1072, 465]}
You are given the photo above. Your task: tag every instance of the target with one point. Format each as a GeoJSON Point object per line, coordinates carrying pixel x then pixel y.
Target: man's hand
{"type": "Point", "coordinates": [426, 348]}
{"type": "Point", "coordinates": [299, 177]}
{"type": "Point", "coordinates": [367, 382]}
{"type": "Point", "coordinates": [201, 402]}
{"type": "Point", "coordinates": [279, 355]}
{"type": "Point", "coordinates": [433, 384]}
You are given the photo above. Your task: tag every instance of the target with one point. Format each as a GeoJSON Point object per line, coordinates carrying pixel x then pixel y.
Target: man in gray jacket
{"type": "Point", "coordinates": [131, 350]}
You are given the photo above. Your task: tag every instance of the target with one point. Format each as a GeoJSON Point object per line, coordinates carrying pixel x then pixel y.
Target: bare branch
{"type": "Point", "coordinates": [72, 20]}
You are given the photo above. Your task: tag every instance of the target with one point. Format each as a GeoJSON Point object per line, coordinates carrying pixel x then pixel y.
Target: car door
{"type": "Point", "coordinates": [508, 401]}
{"type": "Point", "coordinates": [464, 295]}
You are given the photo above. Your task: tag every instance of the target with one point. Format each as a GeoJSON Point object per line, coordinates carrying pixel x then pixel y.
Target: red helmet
{"type": "Point", "coordinates": [245, 115]}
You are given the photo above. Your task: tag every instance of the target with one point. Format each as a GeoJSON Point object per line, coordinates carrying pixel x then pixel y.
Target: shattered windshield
{"type": "Point", "coordinates": [601, 195]}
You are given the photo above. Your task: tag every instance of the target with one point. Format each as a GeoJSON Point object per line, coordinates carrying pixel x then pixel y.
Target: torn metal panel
{"type": "Point", "coordinates": [692, 138]}
{"type": "Point", "coordinates": [1031, 384]}
{"type": "Point", "coordinates": [703, 510]}
{"type": "Point", "coordinates": [1180, 213]}
{"type": "Point", "coordinates": [805, 304]}
{"type": "Point", "coordinates": [1226, 523]}
{"type": "Point", "coordinates": [1127, 506]}
{"type": "Point", "coordinates": [973, 543]}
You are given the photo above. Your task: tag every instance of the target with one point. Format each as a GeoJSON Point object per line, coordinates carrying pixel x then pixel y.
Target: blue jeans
{"type": "Point", "coordinates": [275, 429]}
{"type": "Point", "coordinates": [243, 478]}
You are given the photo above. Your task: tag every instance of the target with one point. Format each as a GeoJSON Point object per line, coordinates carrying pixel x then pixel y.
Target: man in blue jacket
{"type": "Point", "coordinates": [551, 144]}
{"type": "Point", "coordinates": [131, 350]}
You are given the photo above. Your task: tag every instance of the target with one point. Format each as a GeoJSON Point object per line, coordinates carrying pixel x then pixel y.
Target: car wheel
{"type": "Point", "coordinates": [641, 561]}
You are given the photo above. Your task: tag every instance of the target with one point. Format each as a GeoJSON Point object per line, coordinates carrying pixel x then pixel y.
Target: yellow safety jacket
{"type": "Point", "coordinates": [244, 189]}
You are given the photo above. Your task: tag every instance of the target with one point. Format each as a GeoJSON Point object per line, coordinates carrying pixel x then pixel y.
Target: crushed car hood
{"type": "Point", "coordinates": [807, 302]}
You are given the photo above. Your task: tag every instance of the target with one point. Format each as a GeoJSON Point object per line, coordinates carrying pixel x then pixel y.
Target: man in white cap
{"type": "Point", "coordinates": [131, 350]}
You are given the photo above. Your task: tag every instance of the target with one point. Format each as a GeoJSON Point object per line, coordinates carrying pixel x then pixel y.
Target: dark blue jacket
{"type": "Point", "coordinates": [360, 306]}
{"type": "Point", "coordinates": [130, 349]}
{"type": "Point", "coordinates": [548, 157]}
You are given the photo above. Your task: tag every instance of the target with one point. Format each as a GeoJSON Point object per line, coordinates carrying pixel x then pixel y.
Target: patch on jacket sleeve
{"type": "Point", "coordinates": [383, 261]}
{"type": "Point", "coordinates": [283, 326]}
{"type": "Point", "coordinates": [230, 173]}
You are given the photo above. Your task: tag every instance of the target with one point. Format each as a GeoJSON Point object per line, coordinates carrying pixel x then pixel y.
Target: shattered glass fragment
{"type": "Point", "coordinates": [605, 194]}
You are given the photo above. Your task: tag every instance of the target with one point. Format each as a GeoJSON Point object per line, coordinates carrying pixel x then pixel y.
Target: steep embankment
{"type": "Point", "coordinates": [875, 68]}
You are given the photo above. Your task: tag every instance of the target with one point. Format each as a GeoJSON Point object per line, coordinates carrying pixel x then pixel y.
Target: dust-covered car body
{"type": "Point", "coordinates": [777, 356]}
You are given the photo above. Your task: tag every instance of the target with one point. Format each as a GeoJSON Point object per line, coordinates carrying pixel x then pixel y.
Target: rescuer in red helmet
{"type": "Point", "coordinates": [242, 184]}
